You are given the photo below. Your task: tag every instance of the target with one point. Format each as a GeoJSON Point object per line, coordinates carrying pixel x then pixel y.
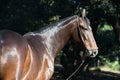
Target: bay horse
{"type": "Point", "coordinates": [31, 56]}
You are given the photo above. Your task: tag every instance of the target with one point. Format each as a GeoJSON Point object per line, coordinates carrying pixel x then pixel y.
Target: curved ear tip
{"type": "Point", "coordinates": [83, 13]}
{"type": "Point", "coordinates": [83, 10]}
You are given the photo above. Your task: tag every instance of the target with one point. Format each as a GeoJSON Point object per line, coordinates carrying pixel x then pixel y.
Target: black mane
{"type": "Point", "coordinates": [58, 23]}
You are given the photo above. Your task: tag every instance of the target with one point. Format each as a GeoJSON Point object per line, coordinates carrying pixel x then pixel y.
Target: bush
{"type": "Point", "coordinates": [109, 51]}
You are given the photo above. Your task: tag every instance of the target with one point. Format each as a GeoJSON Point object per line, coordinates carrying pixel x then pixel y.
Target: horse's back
{"type": "Point", "coordinates": [12, 55]}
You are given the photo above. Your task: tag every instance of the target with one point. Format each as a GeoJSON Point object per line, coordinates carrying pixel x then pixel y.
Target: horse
{"type": "Point", "coordinates": [31, 56]}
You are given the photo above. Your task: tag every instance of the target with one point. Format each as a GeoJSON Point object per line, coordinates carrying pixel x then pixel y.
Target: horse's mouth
{"type": "Point", "coordinates": [92, 53]}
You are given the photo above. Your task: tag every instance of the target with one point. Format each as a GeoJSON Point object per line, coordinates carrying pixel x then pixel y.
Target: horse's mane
{"type": "Point", "coordinates": [57, 23]}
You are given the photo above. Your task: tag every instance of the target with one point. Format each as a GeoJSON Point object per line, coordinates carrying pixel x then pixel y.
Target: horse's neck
{"type": "Point", "coordinates": [55, 39]}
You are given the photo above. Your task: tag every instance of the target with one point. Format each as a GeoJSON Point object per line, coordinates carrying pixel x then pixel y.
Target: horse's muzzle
{"type": "Point", "coordinates": [92, 53]}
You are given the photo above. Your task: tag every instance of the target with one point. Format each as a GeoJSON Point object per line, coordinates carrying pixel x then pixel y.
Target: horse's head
{"type": "Point", "coordinates": [86, 36]}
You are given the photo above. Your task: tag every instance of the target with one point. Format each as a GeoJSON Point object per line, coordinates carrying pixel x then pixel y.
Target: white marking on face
{"type": "Point", "coordinates": [89, 27]}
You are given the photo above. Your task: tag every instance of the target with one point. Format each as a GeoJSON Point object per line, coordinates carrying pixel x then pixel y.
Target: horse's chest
{"type": "Point", "coordinates": [47, 68]}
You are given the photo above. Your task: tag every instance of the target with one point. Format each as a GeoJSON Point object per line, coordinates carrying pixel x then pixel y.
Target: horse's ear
{"type": "Point", "coordinates": [83, 13]}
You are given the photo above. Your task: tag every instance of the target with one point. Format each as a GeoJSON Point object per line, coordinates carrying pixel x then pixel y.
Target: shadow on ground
{"type": "Point", "coordinates": [91, 75]}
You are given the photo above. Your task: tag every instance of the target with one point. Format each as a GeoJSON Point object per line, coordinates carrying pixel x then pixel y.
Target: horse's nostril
{"type": "Point", "coordinates": [94, 53]}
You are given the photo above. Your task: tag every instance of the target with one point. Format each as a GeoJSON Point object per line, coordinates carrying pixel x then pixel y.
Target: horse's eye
{"type": "Point", "coordinates": [84, 28]}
